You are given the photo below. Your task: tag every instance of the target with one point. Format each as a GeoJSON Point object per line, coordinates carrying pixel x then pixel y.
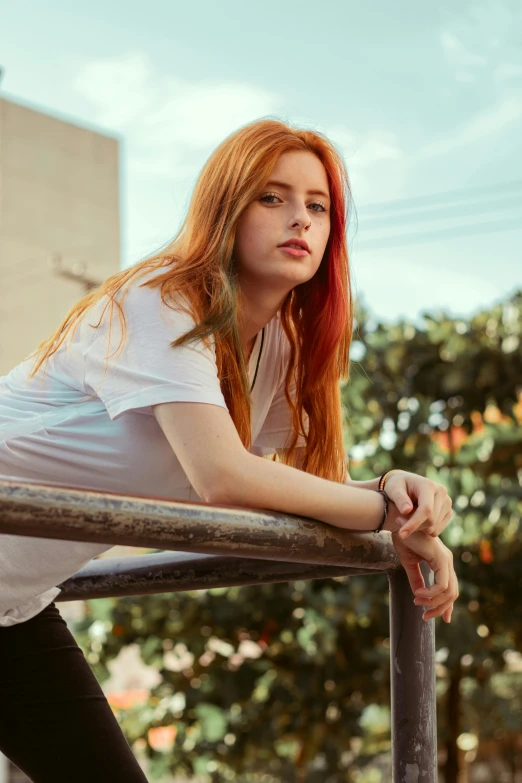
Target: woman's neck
{"type": "Point", "coordinates": [247, 349]}
{"type": "Point", "coordinates": [256, 312]}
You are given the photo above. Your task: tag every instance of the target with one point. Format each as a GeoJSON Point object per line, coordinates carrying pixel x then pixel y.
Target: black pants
{"type": "Point", "coordinates": [55, 722]}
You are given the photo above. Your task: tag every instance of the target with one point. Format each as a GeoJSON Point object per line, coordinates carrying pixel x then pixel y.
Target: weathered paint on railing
{"type": "Point", "coordinates": [170, 572]}
{"type": "Point", "coordinates": [80, 515]}
{"type": "Point", "coordinates": [250, 546]}
{"type": "Point", "coordinates": [413, 697]}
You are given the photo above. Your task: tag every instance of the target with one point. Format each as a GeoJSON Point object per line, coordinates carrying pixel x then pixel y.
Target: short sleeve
{"type": "Point", "coordinates": [147, 370]}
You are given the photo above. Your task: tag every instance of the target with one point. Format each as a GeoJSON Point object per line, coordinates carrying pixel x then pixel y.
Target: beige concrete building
{"type": "Point", "coordinates": [59, 223]}
{"type": "Point", "coordinates": [59, 233]}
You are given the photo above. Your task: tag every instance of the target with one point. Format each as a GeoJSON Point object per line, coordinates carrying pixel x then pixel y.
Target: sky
{"type": "Point", "coordinates": [423, 100]}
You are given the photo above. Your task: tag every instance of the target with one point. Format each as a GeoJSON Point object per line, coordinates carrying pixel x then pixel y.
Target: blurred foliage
{"type": "Point", "coordinates": [290, 682]}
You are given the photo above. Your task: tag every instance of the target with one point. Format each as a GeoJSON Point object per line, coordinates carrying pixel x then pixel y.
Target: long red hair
{"type": "Point", "coordinates": [316, 316]}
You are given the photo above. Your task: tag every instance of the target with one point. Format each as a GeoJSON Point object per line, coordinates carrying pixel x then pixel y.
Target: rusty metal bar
{"type": "Point", "coordinates": [42, 511]}
{"type": "Point", "coordinates": [222, 546]}
{"type": "Point", "coordinates": [168, 572]}
{"type": "Point", "coordinates": [413, 702]}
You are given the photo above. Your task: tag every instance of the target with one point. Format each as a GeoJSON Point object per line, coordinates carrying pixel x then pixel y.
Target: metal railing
{"type": "Point", "coordinates": [206, 546]}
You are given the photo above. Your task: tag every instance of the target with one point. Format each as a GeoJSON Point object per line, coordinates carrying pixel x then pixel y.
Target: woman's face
{"type": "Point", "coordinates": [289, 207]}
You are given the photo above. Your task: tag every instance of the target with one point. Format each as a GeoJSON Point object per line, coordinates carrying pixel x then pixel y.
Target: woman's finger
{"type": "Point", "coordinates": [437, 529]}
{"type": "Point", "coordinates": [445, 515]}
{"type": "Point", "coordinates": [455, 586]}
{"type": "Point", "coordinates": [447, 614]}
{"type": "Point", "coordinates": [432, 524]}
{"type": "Point", "coordinates": [415, 577]}
{"type": "Point", "coordinates": [420, 515]}
{"type": "Point", "coordinates": [429, 614]}
{"type": "Point", "coordinates": [440, 586]}
{"type": "Point", "coordinates": [444, 602]}
{"type": "Point", "coordinates": [446, 519]}
{"type": "Point", "coordinates": [438, 505]}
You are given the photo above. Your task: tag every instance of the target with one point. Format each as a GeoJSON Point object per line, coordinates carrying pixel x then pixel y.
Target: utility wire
{"type": "Point", "coordinates": [449, 196]}
{"type": "Point", "coordinates": [402, 213]}
{"type": "Point", "coordinates": [419, 238]}
{"type": "Point", "coordinates": [447, 211]}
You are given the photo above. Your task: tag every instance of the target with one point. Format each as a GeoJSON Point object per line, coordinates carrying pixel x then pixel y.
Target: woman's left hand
{"type": "Point", "coordinates": [440, 597]}
{"type": "Point", "coordinates": [424, 504]}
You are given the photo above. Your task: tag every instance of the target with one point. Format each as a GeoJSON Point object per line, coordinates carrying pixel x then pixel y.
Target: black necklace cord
{"type": "Point", "coordinates": [258, 358]}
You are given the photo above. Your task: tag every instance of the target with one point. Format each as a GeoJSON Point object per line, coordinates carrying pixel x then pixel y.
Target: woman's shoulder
{"type": "Point", "coordinates": [139, 306]}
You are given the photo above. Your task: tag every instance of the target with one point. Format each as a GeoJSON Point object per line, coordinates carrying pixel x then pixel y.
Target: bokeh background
{"type": "Point", "coordinates": [107, 114]}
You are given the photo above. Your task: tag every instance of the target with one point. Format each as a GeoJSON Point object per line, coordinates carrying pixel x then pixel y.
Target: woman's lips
{"type": "Point", "coordinates": [293, 251]}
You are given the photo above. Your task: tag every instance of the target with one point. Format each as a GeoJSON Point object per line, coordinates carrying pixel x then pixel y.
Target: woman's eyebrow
{"type": "Point", "coordinates": [284, 185]}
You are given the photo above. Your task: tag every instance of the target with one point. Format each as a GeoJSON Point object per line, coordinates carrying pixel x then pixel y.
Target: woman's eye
{"type": "Point", "coordinates": [315, 204]}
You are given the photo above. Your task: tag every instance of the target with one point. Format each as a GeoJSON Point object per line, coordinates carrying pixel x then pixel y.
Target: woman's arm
{"type": "Point", "coordinates": [223, 472]}
{"type": "Point", "coordinates": [367, 484]}
{"type": "Point", "coordinates": [425, 504]}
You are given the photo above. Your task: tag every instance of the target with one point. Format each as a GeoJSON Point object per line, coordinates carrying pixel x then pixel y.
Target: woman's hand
{"type": "Point", "coordinates": [424, 504]}
{"type": "Point", "coordinates": [441, 596]}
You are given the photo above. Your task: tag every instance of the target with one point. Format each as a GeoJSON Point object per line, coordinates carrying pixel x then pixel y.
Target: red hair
{"type": "Point", "coordinates": [199, 262]}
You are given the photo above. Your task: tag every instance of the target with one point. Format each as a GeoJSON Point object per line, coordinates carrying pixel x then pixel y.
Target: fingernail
{"type": "Point", "coordinates": [404, 533]}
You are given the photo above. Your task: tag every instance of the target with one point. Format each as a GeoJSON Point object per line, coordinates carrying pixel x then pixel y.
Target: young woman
{"type": "Point", "coordinates": [228, 345]}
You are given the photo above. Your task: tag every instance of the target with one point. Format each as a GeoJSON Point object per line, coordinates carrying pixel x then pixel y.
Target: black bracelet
{"type": "Point", "coordinates": [385, 515]}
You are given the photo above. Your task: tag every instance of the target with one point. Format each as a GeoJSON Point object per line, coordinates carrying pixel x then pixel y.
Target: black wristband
{"type": "Point", "coordinates": [385, 515]}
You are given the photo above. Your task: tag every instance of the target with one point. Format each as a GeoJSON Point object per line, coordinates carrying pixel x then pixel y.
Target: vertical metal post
{"type": "Point", "coordinates": [413, 703]}
{"type": "Point", "coordinates": [4, 769]}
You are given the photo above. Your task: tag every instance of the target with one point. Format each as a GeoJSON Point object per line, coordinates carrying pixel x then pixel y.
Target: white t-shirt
{"type": "Point", "coordinates": [50, 433]}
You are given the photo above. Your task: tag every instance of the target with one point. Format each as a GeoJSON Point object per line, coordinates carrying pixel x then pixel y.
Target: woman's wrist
{"type": "Point", "coordinates": [368, 484]}
{"type": "Point", "coordinates": [391, 525]}
{"type": "Point", "coordinates": [375, 483]}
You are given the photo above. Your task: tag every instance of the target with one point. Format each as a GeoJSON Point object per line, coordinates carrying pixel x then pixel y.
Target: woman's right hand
{"type": "Point", "coordinates": [419, 547]}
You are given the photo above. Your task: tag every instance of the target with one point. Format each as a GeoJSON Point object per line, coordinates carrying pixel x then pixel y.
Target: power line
{"type": "Point", "coordinates": [396, 240]}
{"type": "Point", "coordinates": [446, 211]}
{"type": "Point", "coordinates": [500, 198]}
{"type": "Point", "coordinates": [461, 194]}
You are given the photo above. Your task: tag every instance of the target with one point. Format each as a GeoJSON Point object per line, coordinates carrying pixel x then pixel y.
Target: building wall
{"type": "Point", "coordinates": [58, 198]}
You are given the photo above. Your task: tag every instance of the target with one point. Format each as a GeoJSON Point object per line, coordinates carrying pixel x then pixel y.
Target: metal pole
{"type": "Point", "coordinates": [169, 572]}
{"type": "Point", "coordinates": [4, 769]}
{"type": "Point", "coordinates": [108, 518]}
{"type": "Point", "coordinates": [413, 703]}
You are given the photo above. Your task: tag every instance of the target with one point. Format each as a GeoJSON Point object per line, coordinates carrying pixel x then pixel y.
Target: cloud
{"type": "Point", "coordinates": [458, 54]}
{"type": "Point", "coordinates": [118, 88]}
{"type": "Point", "coordinates": [376, 162]}
{"type": "Point", "coordinates": [367, 149]}
{"type": "Point", "coordinates": [492, 30]}
{"type": "Point", "coordinates": [168, 122]}
{"type": "Point", "coordinates": [507, 70]}
{"type": "Point", "coordinates": [171, 124]}
{"type": "Point", "coordinates": [483, 125]}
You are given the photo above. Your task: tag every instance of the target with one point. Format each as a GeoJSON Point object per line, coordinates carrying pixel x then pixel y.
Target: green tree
{"type": "Point", "coordinates": [290, 682]}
